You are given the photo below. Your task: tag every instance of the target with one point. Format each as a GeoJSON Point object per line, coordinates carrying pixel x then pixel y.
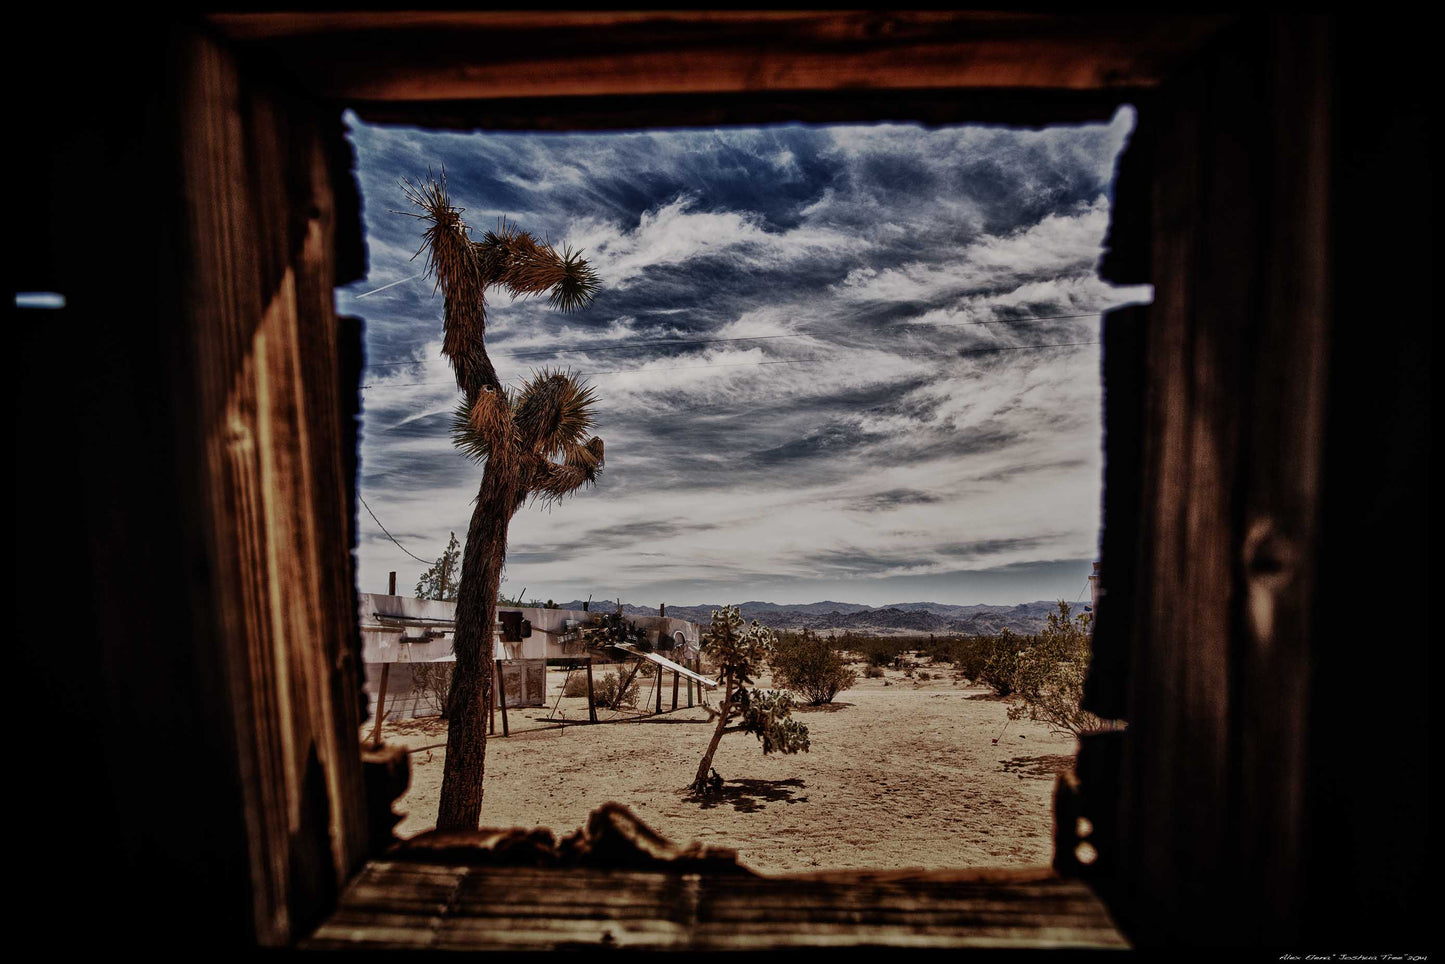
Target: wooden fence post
{"type": "Point", "coordinates": [380, 705]}
{"type": "Point", "coordinates": [385, 675]}
{"type": "Point", "coordinates": [591, 705]}
{"type": "Point", "coordinates": [502, 692]}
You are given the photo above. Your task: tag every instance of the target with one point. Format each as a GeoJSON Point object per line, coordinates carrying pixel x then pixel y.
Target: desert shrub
{"type": "Point", "coordinates": [807, 663]}
{"type": "Point", "coordinates": [1000, 661]}
{"type": "Point", "coordinates": [937, 649]}
{"type": "Point", "coordinates": [970, 655]}
{"type": "Point", "coordinates": [925, 675]}
{"type": "Point", "coordinates": [949, 649]}
{"type": "Point", "coordinates": [990, 660]}
{"type": "Point", "coordinates": [873, 672]}
{"type": "Point", "coordinates": [877, 650]}
{"type": "Point", "coordinates": [1049, 675]}
{"type": "Point", "coordinates": [576, 685]}
{"type": "Point", "coordinates": [604, 690]}
{"type": "Point", "coordinates": [433, 681]}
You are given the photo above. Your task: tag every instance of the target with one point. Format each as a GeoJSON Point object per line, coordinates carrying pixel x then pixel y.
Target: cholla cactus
{"type": "Point", "coordinates": [534, 445]}
{"type": "Point", "coordinates": [739, 655]}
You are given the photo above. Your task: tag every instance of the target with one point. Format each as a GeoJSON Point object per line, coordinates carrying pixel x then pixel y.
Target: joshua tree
{"type": "Point", "coordinates": [531, 442]}
{"type": "Point", "coordinates": [739, 655]}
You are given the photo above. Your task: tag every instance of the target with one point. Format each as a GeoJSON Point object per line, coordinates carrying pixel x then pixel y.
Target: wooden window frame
{"type": "Point", "coordinates": [1230, 518]}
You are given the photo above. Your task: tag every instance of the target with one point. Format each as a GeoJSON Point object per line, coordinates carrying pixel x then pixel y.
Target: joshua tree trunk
{"type": "Point", "coordinates": [531, 443]}
{"type": "Point", "coordinates": [725, 712]}
{"type": "Point", "coordinates": [460, 806]}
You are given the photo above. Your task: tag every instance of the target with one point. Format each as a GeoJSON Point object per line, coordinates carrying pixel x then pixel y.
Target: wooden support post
{"type": "Point", "coordinates": [591, 704]}
{"type": "Point", "coordinates": [626, 683]}
{"type": "Point", "coordinates": [689, 685]}
{"type": "Point", "coordinates": [657, 685]}
{"type": "Point", "coordinates": [385, 675]}
{"type": "Point", "coordinates": [675, 675]}
{"type": "Point", "coordinates": [502, 693]}
{"type": "Point", "coordinates": [380, 705]}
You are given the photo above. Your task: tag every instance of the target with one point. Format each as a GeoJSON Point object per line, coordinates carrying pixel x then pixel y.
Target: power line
{"type": "Point", "coordinates": [373, 291]}
{"type": "Point", "coordinates": [669, 342]}
{"type": "Point", "coordinates": [393, 538]}
{"type": "Point", "coordinates": [793, 361]}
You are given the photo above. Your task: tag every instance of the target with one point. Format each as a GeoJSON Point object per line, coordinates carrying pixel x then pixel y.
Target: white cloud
{"type": "Point", "coordinates": [783, 413]}
{"type": "Point", "coordinates": [674, 233]}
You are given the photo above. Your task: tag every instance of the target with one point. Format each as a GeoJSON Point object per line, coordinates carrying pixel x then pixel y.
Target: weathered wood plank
{"type": "Point", "coordinates": [1281, 501]}
{"type": "Point", "coordinates": [466, 54]}
{"type": "Point", "coordinates": [1214, 771]}
{"type": "Point", "coordinates": [528, 908]}
{"type": "Point", "coordinates": [259, 222]}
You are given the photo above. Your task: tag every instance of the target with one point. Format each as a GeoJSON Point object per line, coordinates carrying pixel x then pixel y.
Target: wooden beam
{"type": "Point", "coordinates": [414, 904]}
{"type": "Point", "coordinates": [380, 703]}
{"type": "Point", "coordinates": [627, 681]}
{"type": "Point", "coordinates": [1020, 108]}
{"type": "Point", "coordinates": [255, 285]}
{"type": "Point", "coordinates": [1222, 648]}
{"type": "Point", "coordinates": [502, 698]}
{"type": "Point", "coordinates": [591, 703]}
{"type": "Point", "coordinates": [465, 55]}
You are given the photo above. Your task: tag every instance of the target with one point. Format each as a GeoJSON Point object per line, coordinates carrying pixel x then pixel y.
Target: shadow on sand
{"type": "Point", "coordinates": [1040, 766]}
{"type": "Point", "coordinates": [750, 796]}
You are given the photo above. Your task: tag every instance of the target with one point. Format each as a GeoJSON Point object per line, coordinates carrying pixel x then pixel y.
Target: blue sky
{"type": "Point", "coordinates": [813, 349]}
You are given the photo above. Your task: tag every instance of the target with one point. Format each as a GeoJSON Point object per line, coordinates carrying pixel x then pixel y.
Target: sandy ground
{"type": "Point", "coordinates": [899, 775]}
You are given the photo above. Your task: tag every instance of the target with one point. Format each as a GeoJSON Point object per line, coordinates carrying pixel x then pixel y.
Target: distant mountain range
{"type": "Point", "coordinates": [893, 619]}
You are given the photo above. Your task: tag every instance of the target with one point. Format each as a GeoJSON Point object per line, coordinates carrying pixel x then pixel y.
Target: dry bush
{"type": "Point", "coordinates": [433, 681]}
{"type": "Point", "coordinates": [808, 663]}
{"type": "Point", "coordinates": [1049, 675]}
{"type": "Point", "coordinates": [604, 690]}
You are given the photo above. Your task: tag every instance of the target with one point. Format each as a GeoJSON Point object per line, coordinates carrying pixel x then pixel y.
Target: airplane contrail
{"type": "Point", "coordinates": [392, 285]}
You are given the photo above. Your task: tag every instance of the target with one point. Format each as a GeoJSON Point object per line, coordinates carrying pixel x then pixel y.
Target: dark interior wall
{"type": "Point", "coordinates": [130, 828]}
{"type": "Point", "coordinates": [1370, 746]}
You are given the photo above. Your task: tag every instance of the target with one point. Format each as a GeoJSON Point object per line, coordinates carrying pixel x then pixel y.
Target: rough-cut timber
{"type": "Point", "coordinates": [402, 904]}
{"type": "Point", "coordinates": [468, 54]}
{"type": "Point", "coordinates": [1222, 509]}
{"type": "Point", "coordinates": [263, 347]}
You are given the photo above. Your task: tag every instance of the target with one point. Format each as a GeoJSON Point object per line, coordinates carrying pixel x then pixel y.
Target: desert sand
{"type": "Point", "coordinates": [901, 773]}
